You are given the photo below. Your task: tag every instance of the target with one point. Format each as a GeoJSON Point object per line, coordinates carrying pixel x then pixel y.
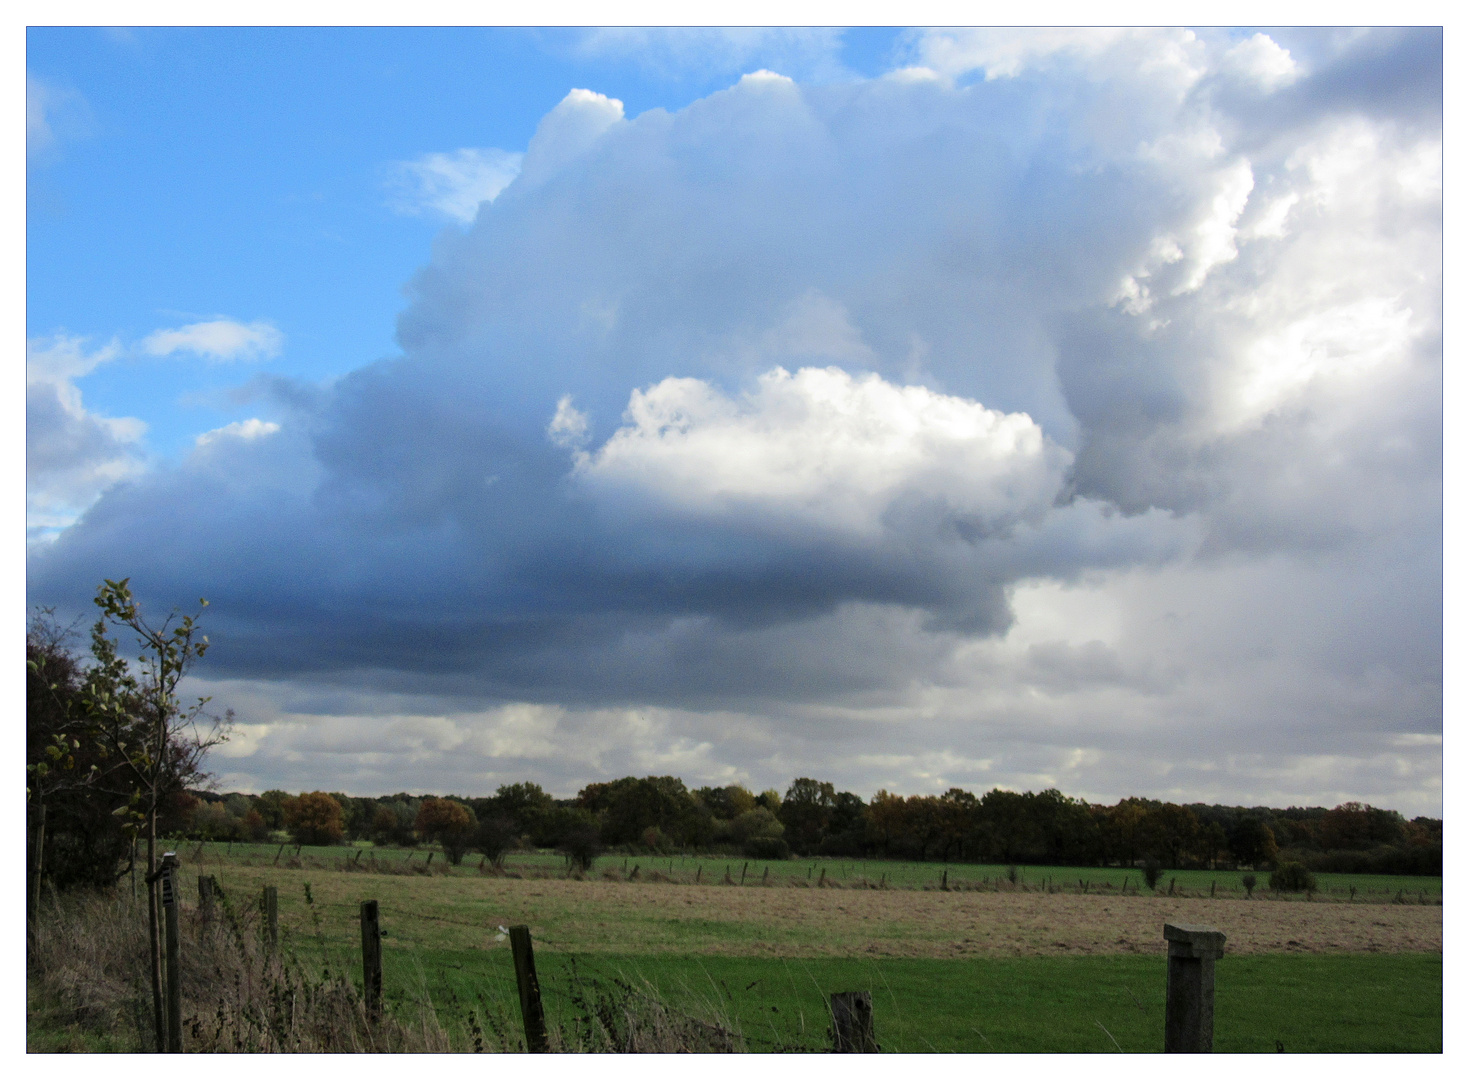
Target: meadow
{"type": "Point", "coordinates": [846, 873]}
{"type": "Point", "coordinates": [984, 965]}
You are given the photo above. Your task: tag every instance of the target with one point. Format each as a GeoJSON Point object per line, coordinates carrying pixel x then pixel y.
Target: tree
{"type": "Point", "coordinates": [805, 811]}
{"type": "Point", "coordinates": [314, 818]}
{"type": "Point", "coordinates": [581, 845]}
{"type": "Point", "coordinates": [448, 823]}
{"type": "Point", "coordinates": [524, 804]}
{"type": "Point", "coordinates": [160, 741]}
{"type": "Point", "coordinates": [1253, 844]}
{"type": "Point", "coordinates": [72, 790]}
{"type": "Point", "coordinates": [759, 834]}
{"type": "Point", "coordinates": [1354, 827]}
{"type": "Point", "coordinates": [728, 802]}
{"type": "Point", "coordinates": [494, 837]}
{"type": "Point", "coordinates": [629, 807]}
{"type": "Point", "coordinates": [270, 806]}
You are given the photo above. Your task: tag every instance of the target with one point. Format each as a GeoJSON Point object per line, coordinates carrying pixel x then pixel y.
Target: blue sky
{"type": "Point", "coordinates": [905, 408]}
{"type": "Point", "coordinates": [248, 172]}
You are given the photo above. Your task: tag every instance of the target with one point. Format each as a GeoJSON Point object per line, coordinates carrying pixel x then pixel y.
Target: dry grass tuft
{"type": "Point", "coordinates": [87, 970]}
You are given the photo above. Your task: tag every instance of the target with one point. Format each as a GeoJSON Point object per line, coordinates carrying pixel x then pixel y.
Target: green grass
{"type": "Point", "coordinates": [897, 874]}
{"type": "Point", "coordinates": [441, 942]}
{"type": "Point", "coordinates": [1309, 1004]}
{"type": "Point", "coordinates": [50, 1030]}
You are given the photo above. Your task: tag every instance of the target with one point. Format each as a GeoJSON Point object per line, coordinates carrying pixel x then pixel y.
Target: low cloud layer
{"type": "Point", "coordinates": [1062, 407]}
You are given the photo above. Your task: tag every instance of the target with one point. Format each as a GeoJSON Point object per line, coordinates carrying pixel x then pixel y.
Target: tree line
{"type": "Point", "coordinates": [660, 814]}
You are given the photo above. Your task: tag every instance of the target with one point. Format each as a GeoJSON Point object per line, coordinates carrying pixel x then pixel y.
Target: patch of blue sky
{"type": "Point", "coordinates": [246, 173]}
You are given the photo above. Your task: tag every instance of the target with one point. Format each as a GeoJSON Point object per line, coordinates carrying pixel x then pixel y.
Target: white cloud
{"type": "Point", "coordinates": [54, 114]}
{"type": "Point", "coordinates": [252, 428]}
{"type": "Point", "coordinates": [568, 132]}
{"type": "Point", "coordinates": [39, 135]}
{"type": "Point", "coordinates": [568, 428]}
{"type": "Point", "coordinates": [453, 185]}
{"type": "Point", "coordinates": [821, 450]}
{"type": "Point", "coordinates": [1174, 59]}
{"type": "Point", "coordinates": [1260, 59]}
{"type": "Point", "coordinates": [217, 339]}
{"type": "Point", "coordinates": [72, 454]}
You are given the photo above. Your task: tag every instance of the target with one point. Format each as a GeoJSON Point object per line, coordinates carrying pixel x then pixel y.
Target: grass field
{"type": "Point", "coordinates": [1101, 1004]}
{"type": "Point", "coordinates": [1006, 968]}
{"type": "Point", "coordinates": [850, 872]}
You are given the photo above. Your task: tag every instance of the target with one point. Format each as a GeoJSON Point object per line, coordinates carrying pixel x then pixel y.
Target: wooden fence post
{"type": "Point", "coordinates": [1188, 1022]}
{"type": "Point", "coordinates": [268, 906]}
{"type": "Point", "coordinates": [38, 841]}
{"type": "Point", "coordinates": [530, 990]}
{"type": "Point", "coordinates": [372, 961]}
{"type": "Point", "coordinates": [206, 904]}
{"type": "Point", "coordinates": [173, 983]}
{"type": "Point", "coordinates": [851, 1023]}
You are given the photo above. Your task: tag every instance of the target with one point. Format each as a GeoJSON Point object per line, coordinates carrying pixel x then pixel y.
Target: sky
{"type": "Point", "coordinates": [907, 409]}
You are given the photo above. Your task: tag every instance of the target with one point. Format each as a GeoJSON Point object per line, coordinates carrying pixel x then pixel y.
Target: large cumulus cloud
{"type": "Point", "coordinates": [797, 399]}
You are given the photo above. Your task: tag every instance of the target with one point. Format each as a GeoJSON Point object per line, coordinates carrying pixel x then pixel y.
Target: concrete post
{"type": "Point", "coordinates": [1188, 1023]}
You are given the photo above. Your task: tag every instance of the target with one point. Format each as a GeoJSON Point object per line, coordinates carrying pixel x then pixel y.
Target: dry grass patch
{"type": "Point", "coordinates": [636, 917]}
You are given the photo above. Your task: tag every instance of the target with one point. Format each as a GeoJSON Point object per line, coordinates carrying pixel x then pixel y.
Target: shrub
{"type": "Point", "coordinates": [753, 823]}
{"type": "Point", "coordinates": [1151, 872]}
{"type": "Point", "coordinates": [766, 847]}
{"type": "Point", "coordinates": [1248, 881]}
{"type": "Point", "coordinates": [1292, 877]}
{"type": "Point", "coordinates": [494, 837]}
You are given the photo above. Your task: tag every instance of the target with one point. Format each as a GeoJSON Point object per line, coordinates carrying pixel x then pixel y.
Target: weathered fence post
{"type": "Point", "coordinates": [206, 904]}
{"type": "Point", "coordinates": [372, 961]}
{"type": "Point", "coordinates": [530, 990]}
{"type": "Point", "coordinates": [268, 907]}
{"type": "Point", "coordinates": [851, 1023]}
{"type": "Point", "coordinates": [1188, 1022]}
{"type": "Point", "coordinates": [38, 841]}
{"type": "Point", "coordinates": [173, 984]}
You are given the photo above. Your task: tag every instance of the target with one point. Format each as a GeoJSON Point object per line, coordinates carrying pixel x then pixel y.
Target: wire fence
{"type": "Point", "coordinates": [569, 977]}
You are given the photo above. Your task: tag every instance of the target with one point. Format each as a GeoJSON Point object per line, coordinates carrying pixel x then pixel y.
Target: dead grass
{"type": "Point", "coordinates": [87, 989]}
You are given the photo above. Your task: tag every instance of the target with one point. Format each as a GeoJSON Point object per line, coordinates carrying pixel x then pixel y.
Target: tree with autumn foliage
{"type": "Point", "coordinates": [314, 818]}
{"type": "Point", "coordinates": [448, 823]}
